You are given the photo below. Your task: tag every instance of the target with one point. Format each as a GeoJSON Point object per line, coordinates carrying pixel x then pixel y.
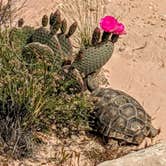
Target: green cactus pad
{"type": "Point", "coordinates": [64, 39]}
{"type": "Point", "coordinates": [19, 36]}
{"type": "Point", "coordinates": [35, 50]}
{"type": "Point", "coordinates": [65, 44]}
{"type": "Point", "coordinates": [43, 36]}
{"type": "Point", "coordinates": [39, 55]}
{"type": "Point", "coordinates": [93, 58]}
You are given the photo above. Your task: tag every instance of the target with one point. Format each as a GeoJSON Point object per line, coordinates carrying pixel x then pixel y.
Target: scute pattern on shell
{"type": "Point", "coordinates": [120, 116]}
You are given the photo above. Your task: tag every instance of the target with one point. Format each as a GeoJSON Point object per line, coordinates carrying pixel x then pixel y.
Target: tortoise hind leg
{"type": "Point", "coordinates": [105, 139]}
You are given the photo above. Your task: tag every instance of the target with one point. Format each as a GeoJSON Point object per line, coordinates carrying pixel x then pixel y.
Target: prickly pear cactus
{"type": "Point", "coordinates": [43, 36]}
{"type": "Point", "coordinates": [89, 59]}
{"type": "Point", "coordinates": [33, 52]}
{"type": "Point", "coordinates": [64, 39]}
{"type": "Point", "coordinates": [92, 58]}
{"type": "Point", "coordinates": [59, 43]}
{"type": "Point", "coordinates": [19, 36]}
{"type": "Point", "coordinates": [48, 38]}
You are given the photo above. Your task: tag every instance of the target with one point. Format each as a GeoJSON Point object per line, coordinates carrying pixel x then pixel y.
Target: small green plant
{"type": "Point", "coordinates": [65, 112]}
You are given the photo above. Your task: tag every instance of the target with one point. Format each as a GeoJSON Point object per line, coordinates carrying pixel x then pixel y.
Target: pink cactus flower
{"type": "Point", "coordinates": [120, 29]}
{"type": "Point", "coordinates": [108, 23]}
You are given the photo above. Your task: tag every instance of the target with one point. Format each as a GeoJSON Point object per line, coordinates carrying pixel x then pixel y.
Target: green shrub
{"type": "Point", "coordinates": [33, 99]}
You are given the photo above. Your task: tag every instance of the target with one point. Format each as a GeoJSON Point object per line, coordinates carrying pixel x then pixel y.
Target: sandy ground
{"type": "Point", "coordinates": [138, 65]}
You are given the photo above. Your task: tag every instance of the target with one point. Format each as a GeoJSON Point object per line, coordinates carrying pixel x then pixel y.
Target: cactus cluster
{"type": "Point", "coordinates": [92, 58]}
{"type": "Point", "coordinates": [54, 43]}
{"type": "Point", "coordinates": [43, 36]}
{"type": "Point", "coordinates": [59, 43]}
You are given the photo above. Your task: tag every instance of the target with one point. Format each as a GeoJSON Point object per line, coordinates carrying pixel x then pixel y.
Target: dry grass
{"type": "Point", "coordinates": [8, 10]}
{"type": "Point", "coordinates": [87, 13]}
{"type": "Point", "coordinates": [75, 151]}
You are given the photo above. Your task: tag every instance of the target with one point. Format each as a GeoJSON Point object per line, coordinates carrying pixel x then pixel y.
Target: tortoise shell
{"type": "Point", "coordinates": [118, 115]}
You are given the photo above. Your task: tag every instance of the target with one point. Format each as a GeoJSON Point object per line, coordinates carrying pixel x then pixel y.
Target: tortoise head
{"type": "Point", "coordinates": [153, 132]}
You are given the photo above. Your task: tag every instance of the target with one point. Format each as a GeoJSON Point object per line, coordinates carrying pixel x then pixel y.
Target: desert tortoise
{"type": "Point", "coordinates": [119, 116]}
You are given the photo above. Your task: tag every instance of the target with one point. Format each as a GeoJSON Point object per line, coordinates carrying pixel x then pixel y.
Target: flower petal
{"type": "Point", "coordinates": [120, 29]}
{"type": "Point", "coordinates": [108, 23]}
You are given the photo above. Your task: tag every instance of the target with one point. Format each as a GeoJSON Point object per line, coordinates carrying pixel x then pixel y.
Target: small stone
{"type": "Point", "coordinates": [163, 17]}
{"type": "Point", "coordinates": [121, 49]}
{"type": "Point", "coordinates": [53, 127]}
{"type": "Point", "coordinates": [74, 137]}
